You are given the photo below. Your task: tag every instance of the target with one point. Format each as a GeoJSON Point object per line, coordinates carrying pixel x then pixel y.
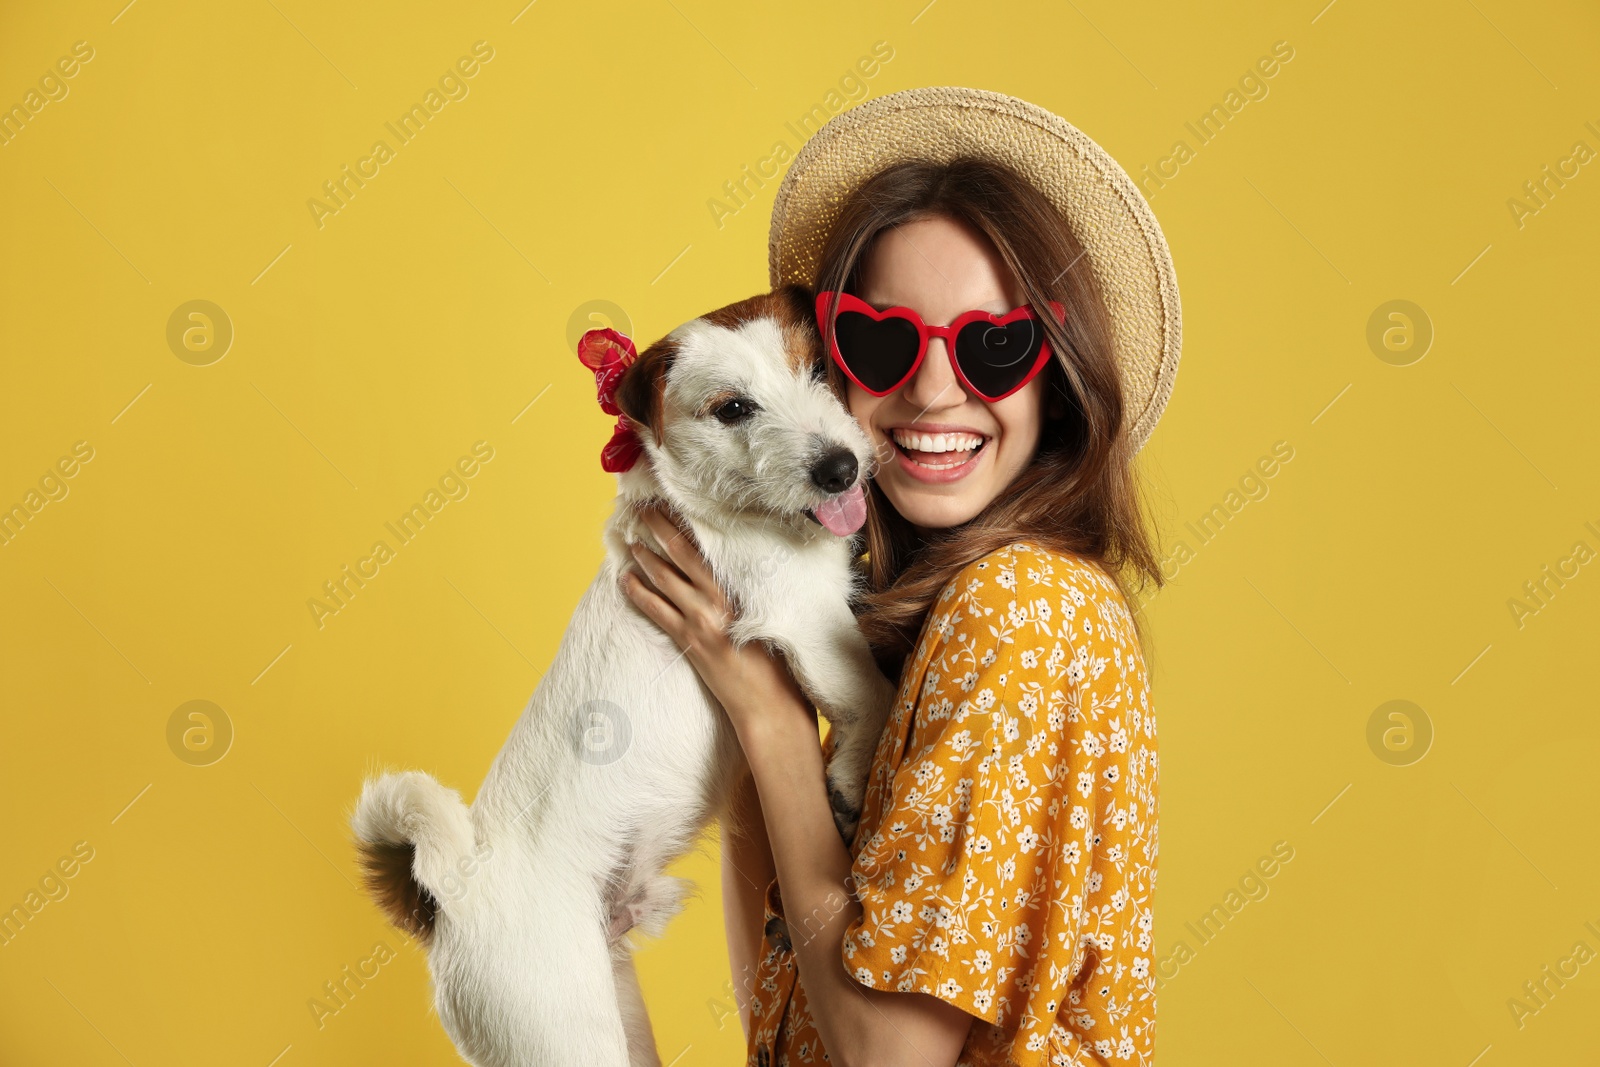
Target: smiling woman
{"type": "Point", "coordinates": [952, 448]}
{"type": "Point", "coordinates": [953, 241]}
{"type": "Point", "coordinates": [965, 249]}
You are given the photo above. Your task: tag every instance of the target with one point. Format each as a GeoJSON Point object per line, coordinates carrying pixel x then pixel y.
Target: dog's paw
{"type": "Point", "coordinates": [777, 932]}
{"type": "Point", "coordinates": [846, 814]}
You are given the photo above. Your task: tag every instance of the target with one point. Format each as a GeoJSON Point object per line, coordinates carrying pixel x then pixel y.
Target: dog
{"type": "Point", "coordinates": [622, 757]}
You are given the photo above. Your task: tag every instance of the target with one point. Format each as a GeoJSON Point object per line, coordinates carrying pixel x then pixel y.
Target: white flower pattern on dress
{"type": "Point", "coordinates": [1006, 860]}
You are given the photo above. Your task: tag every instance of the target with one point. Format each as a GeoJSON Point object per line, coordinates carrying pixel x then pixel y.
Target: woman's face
{"type": "Point", "coordinates": [945, 453]}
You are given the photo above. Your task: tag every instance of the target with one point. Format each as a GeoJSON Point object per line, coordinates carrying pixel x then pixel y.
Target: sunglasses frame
{"type": "Point", "coordinates": [841, 302]}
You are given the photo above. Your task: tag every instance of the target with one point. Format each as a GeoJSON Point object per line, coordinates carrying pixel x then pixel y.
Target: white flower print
{"type": "Point", "coordinates": [1009, 826]}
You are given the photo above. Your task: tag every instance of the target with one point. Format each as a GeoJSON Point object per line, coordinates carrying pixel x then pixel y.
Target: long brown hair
{"type": "Point", "coordinates": [1080, 494]}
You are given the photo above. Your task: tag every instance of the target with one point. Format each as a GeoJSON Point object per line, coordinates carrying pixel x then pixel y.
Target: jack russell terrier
{"type": "Point", "coordinates": [622, 757]}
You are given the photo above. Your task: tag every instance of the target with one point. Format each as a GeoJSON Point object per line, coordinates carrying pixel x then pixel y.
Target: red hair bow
{"type": "Point", "coordinates": [608, 353]}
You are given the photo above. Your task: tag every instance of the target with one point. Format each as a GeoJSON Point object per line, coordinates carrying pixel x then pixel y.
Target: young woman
{"type": "Point", "coordinates": [996, 904]}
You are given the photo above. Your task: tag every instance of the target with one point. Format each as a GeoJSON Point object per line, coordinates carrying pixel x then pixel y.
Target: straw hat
{"type": "Point", "coordinates": [1120, 236]}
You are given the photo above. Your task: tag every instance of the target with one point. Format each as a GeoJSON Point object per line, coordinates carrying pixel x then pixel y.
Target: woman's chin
{"type": "Point", "coordinates": [934, 507]}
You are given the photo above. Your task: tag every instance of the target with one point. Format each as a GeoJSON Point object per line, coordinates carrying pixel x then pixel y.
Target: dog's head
{"type": "Point", "coordinates": [736, 417]}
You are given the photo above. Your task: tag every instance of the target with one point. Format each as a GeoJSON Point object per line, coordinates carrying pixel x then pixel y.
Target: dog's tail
{"type": "Point", "coordinates": [410, 833]}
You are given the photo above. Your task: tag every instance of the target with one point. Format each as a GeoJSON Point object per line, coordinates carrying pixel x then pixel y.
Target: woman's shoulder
{"type": "Point", "coordinates": [1026, 587]}
{"type": "Point", "coordinates": [1026, 569]}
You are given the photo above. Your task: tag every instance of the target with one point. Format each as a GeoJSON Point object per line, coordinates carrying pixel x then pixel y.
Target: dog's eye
{"type": "Point", "coordinates": [736, 410]}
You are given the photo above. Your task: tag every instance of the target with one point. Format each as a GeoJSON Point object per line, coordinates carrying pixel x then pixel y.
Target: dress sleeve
{"type": "Point", "coordinates": [1002, 871]}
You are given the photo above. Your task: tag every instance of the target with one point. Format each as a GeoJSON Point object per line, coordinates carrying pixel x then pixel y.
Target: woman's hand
{"type": "Point", "coordinates": [680, 595]}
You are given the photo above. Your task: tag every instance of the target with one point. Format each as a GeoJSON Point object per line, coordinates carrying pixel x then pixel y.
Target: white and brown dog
{"type": "Point", "coordinates": [622, 757]}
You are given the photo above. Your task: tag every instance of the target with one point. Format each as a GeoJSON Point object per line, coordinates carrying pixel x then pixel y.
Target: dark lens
{"type": "Point", "coordinates": [995, 358]}
{"type": "Point", "coordinates": [878, 352]}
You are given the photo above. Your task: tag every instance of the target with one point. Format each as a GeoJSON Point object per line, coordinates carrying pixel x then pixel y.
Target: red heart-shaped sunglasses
{"type": "Point", "coordinates": [993, 355]}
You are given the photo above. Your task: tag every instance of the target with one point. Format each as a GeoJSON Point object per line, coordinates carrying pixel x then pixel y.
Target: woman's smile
{"type": "Point", "coordinates": [937, 453]}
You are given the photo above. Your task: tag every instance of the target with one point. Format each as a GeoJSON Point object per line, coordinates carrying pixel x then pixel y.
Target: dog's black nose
{"type": "Point", "coordinates": [835, 471]}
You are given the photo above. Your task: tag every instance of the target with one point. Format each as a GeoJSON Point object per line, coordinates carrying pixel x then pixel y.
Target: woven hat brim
{"type": "Point", "coordinates": [1122, 241]}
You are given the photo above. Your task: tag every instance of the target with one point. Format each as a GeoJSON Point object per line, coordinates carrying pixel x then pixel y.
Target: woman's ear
{"type": "Point", "coordinates": [641, 393]}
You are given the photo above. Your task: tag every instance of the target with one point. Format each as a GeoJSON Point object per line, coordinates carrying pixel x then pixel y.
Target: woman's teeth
{"type": "Point", "coordinates": [937, 442]}
{"type": "Point", "coordinates": [938, 451]}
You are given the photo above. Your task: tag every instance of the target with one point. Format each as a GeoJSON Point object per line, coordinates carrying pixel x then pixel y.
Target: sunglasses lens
{"type": "Point", "coordinates": [878, 352]}
{"type": "Point", "coordinates": [996, 358]}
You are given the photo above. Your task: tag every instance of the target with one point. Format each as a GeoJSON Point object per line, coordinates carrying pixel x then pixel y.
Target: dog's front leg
{"type": "Point", "coordinates": [833, 664]}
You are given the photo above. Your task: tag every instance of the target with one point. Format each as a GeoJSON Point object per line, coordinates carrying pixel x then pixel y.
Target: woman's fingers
{"type": "Point", "coordinates": [657, 608]}
{"type": "Point", "coordinates": [679, 544]}
{"type": "Point", "coordinates": [664, 580]}
{"type": "Point", "coordinates": [686, 580]}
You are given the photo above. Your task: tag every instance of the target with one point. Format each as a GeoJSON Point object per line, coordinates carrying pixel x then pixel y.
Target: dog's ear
{"type": "Point", "coordinates": [796, 307]}
{"type": "Point", "coordinates": [799, 306]}
{"type": "Point", "coordinates": [641, 393]}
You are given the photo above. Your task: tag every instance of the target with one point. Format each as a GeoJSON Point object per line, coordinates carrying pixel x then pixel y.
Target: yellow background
{"type": "Point", "coordinates": [370, 353]}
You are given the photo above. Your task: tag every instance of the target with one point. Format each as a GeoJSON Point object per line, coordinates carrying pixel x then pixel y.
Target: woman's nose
{"type": "Point", "coordinates": [935, 386]}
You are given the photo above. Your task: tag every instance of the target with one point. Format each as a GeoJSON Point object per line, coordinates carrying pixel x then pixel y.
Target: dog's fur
{"type": "Point", "coordinates": [622, 757]}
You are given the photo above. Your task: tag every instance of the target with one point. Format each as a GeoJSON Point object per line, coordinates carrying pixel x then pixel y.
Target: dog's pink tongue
{"type": "Point", "coordinates": [843, 515]}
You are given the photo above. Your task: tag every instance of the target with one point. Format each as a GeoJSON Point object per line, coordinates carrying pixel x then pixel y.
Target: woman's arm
{"type": "Point", "coordinates": [747, 870]}
{"type": "Point", "coordinates": [777, 729]}
{"type": "Point", "coordinates": [858, 1025]}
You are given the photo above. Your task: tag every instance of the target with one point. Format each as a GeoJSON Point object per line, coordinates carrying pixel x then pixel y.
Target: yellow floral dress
{"type": "Point", "coordinates": [1006, 858]}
